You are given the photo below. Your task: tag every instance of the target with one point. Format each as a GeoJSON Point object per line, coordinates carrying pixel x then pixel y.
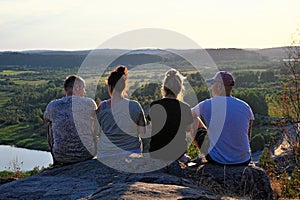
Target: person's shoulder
{"type": "Point", "coordinates": [91, 102]}
{"type": "Point", "coordinates": [55, 102]}
{"type": "Point", "coordinates": [237, 100]}
{"type": "Point", "coordinates": [133, 102]}
{"type": "Point", "coordinates": [86, 99]}
{"type": "Point", "coordinates": [205, 102]}
{"type": "Point", "coordinates": [103, 105]}
{"type": "Point", "coordinates": [156, 102]}
{"type": "Point", "coordinates": [241, 103]}
{"type": "Point", "coordinates": [183, 103]}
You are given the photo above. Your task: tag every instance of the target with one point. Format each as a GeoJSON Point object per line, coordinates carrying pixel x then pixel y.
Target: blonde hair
{"type": "Point", "coordinates": [173, 84]}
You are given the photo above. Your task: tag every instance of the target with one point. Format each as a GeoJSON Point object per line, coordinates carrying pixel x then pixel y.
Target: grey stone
{"type": "Point", "coordinates": [94, 180]}
{"type": "Point", "coordinates": [242, 181]}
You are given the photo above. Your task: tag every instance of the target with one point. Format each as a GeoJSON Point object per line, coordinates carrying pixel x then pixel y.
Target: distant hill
{"type": "Point", "coordinates": [275, 54]}
{"type": "Point", "coordinates": [39, 59]}
{"type": "Point", "coordinates": [49, 58]}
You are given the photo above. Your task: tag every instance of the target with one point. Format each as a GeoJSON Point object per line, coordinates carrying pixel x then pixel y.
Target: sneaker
{"type": "Point", "coordinates": [185, 158]}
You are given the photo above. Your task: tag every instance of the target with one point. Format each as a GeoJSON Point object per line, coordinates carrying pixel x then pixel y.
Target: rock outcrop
{"type": "Point", "coordinates": [241, 181]}
{"type": "Point", "coordinates": [94, 180]}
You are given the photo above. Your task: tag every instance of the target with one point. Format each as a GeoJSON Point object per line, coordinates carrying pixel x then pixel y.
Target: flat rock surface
{"type": "Point", "coordinates": [94, 180]}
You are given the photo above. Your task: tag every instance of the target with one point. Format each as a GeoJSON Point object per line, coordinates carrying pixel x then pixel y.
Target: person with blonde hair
{"type": "Point", "coordinates": [170, 118]}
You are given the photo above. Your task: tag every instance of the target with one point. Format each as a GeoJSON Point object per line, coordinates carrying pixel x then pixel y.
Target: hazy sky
{"type": "Point", "coordinates": [85, 24]}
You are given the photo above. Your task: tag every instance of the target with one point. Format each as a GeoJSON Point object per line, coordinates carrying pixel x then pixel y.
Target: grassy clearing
{"type": "Point", "coordinates": [23, 135]}
{"type": "Point", "coordinates": [23, 82]}
{"type": "Point", "coordinates": [4, 97]}
{"type": "Point", "coordinates": [13, 72]}
{"type": "Point", "coordinates": [9, 133]}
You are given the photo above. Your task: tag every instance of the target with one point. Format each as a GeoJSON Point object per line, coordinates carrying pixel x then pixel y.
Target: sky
{"type": "Point", "coordinates": [86, 24]}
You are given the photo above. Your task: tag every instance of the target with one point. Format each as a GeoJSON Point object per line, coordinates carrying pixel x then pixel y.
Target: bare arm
{"type": "Point", "coordinates": [193, 138]}
{"type": "Point", "coordinates": [141, 131]}
{"type": "Point", "coordinates": [197, 123]}
{"type": "Point", "coordinates": [46, 118]}
{"type": "Point", "coordinates": [250, 130]}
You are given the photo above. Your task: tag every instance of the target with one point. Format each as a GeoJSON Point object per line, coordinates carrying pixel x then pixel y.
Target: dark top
{"type": "Point", "coordinates": [169, 118]}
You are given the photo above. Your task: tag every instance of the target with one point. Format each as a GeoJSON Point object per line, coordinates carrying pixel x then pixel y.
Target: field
{"type": "Point", "coordinates": [4, 97]}
{"type": "Point", "coordinates": [14, 72]}
{"type": "Point", "coordinates": [21, 135]}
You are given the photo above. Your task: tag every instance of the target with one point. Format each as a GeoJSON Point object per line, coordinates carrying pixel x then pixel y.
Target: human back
{"type": "Point", "coordinates": [121, 120]}
{"type": "Point", "coordinates": [71, 127]}
{"type": "Point", "coordinates": [228, 132]}
{"type": "Point", "coordinates": [168, 140]}
{"type": "Point", "coordinates": [70, 119]}
{"type": "Point", "coordinates": [229, 122]}
{"type": "Point", "coordinates": [170, 119]}
{"type": "Point", "coordinates": [118, 127]}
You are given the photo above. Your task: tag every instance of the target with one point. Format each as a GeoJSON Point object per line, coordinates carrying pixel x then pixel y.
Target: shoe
{"type": "Point", "coordinates": [185, 158]}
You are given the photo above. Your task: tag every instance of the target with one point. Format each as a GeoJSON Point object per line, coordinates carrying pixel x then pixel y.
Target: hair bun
{"type": "Point", "coordinates": [171, 72]}
{"type": "Point", "coordinates": [121, 70]}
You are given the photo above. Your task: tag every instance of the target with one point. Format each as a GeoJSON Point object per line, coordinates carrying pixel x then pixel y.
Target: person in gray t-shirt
{"type": "Point", "coordinates": [122, 121]}
{"type": "Point", "coordinates": [71, 137]}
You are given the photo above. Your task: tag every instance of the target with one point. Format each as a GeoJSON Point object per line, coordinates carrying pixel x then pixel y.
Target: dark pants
{"type": "Point", "coordinates": [210, 160]}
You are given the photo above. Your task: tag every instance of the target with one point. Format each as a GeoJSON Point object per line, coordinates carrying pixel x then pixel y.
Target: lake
{"type": "Point", "coordinates": [25, 159]}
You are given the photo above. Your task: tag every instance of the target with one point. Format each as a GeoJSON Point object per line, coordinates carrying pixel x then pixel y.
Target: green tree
{"type": "Point", "coordinates": [290, 184]}
{"type": "Point", "coordinates": [267, 76]}
{"type": "Point", "coordinates": [254, 97]}
{"type": "Point", "coordinates": [266, 162]}
{"type": "Point", "coordinates": [290, 98]}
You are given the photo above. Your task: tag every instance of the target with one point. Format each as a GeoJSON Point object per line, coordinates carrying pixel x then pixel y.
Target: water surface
{"type": "Point", "coordinates": [25, 159]}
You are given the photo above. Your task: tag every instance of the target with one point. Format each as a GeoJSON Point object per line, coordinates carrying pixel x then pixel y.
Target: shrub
{"type": "Point", "coordinates": [257, 143]}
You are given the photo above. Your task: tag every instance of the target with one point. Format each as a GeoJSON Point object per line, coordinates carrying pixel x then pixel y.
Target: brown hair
{"type": "Point", "coordinates": [117, 78]}
{"type": "Point", "coordinates": [71, 80]}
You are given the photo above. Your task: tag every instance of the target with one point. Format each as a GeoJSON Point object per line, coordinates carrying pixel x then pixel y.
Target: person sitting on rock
{"type": "Point", "coordinates": [71, 137]}
{"type": "Point", "coordinates": [122, 120]}
{"type": "Point", "coordinates": [229, 121]}
{"type": "Point", "coordinates": [170, 119]}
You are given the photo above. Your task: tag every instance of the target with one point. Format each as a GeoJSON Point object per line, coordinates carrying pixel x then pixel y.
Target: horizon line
{"type": "Point", "coordinates": [69, 50]}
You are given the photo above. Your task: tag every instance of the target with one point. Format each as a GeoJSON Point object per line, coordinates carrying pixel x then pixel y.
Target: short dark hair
{"type": "Point", "coordinates": [70, 81]}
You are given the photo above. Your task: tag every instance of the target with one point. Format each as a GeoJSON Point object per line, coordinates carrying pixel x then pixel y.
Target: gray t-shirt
{"type": "Point", "coordinates": [119, 127]}
{"type": "Point", "coordinates": [71, 120]}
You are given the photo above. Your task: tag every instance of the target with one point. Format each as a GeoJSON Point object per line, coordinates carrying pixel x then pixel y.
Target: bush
{"type": "Point", "coordinates": [290, 184]}
{"type": "Point", "coordinates": [257, 143]}
{"type": "Point", "coordinates": [192, 151]}
{"type": "Point", "coordinates": [265, 161]}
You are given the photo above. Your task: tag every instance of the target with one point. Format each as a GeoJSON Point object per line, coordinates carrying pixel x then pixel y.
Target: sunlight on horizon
{"type": "Point", "coordinates": [76, 25]}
